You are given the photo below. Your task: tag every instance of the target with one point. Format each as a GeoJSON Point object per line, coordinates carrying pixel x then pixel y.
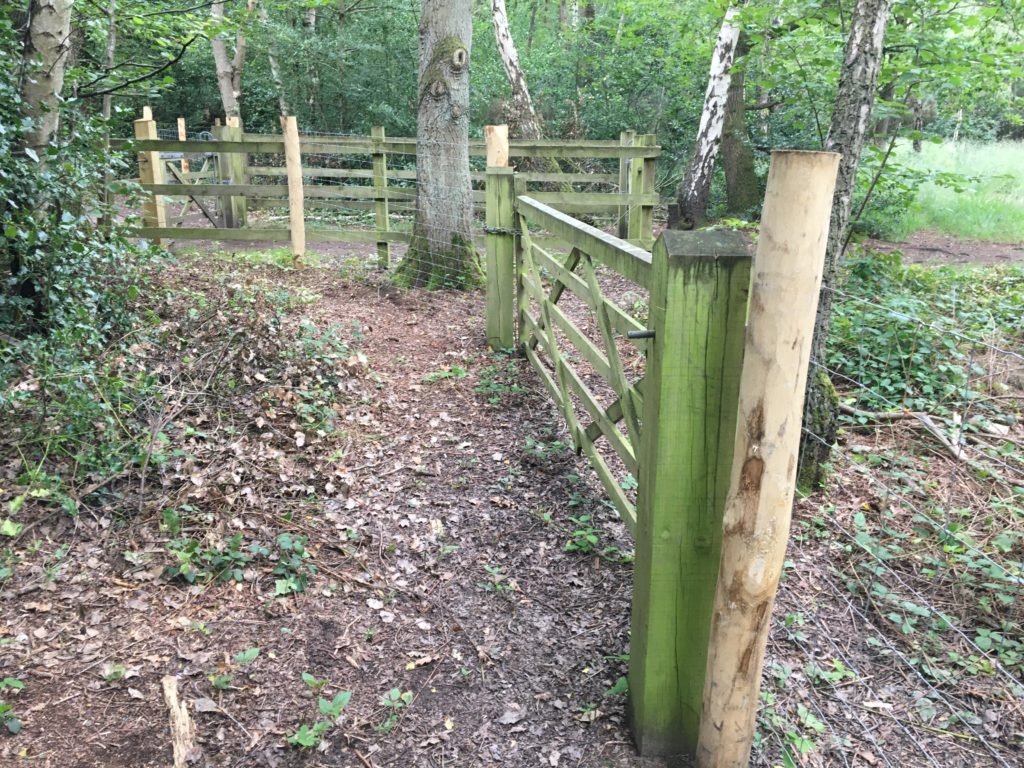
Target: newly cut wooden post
{"type": "Point", "coordinates": [500, 258]}
{"type": "Point", "coordinates": [183, 136]}
{"type": "Point", "coordinates": [151, 171]}
{"type": "Point", "coordinates": [293, 167]}
{"type": "Point", "coordinates": [699, 284]}
{"type": "Point", "coordinates": [236, 161]}
{"type": "Point", "coordinates": [787, 278]}
{"type": "Point", "coordinates": [147, 112]}
{"type": "Point", "coordinates": [626, 139]}
{"type": "Point", "coordinates": [380, 207]}
{"type": "Point", "coordinates": [496, 143]}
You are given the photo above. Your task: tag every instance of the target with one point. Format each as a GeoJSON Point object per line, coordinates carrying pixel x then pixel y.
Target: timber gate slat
{"type": "Point", "coordinates": [556, 346]}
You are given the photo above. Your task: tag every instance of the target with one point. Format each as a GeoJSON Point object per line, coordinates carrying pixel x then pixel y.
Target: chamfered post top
{"type": "Point", "coordinates": [718, 245]}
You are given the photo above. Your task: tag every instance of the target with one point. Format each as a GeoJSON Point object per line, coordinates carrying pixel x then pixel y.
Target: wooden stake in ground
{"type": "Point", "coordinates": [293, 167]}
{"type": "Point", "coordinates": [183, 731]}
{"type": "Point", "coordinates": [787, 277]}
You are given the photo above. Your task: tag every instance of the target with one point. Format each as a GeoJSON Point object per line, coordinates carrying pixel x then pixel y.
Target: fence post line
{"type": "Point", "coordinates": [183, 136]}
{"type": "Point", "coordinates": [699, 286]}
{"type": "Point", "coordinates": [293, 168]}
{"type": "Point", "coordinates": [649, 175]}
{"type": "Point", "coordinates": [236, 170]}
{"type": "Point", "coordinates": [626, 139]}
{"type": "Point", "coordinates": [151, 171]}
{"type": "Point", "coordinates": [787, 278]}
{"type": "Point", "coordinates": [380, 184]}
{"type": "Point", "coordinates": [220, 133]}
{"type": "Point", "coordinates": [520, 299]}
{"type": "Point", "coordinates": [500, 258]}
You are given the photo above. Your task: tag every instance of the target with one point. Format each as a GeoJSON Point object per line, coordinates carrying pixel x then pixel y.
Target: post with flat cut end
{"type": "Point", "coordinates": [151, 171]}
{"type": "Point", "coordinates": [237, 162]}
{"type": "Point", "coordinates": [787, 278]}
{"type": "Point", "coordinates": [626, 139]}
{"type": "Point", "coordinates": [500, 264]}
{"type": "Point", "coordinates": [183, 136]}
{"type": "Point", "coordinates": [496, 143]}
{"type": "Point", "coordinates": [699, 284]}
{"type": "Point", "coordinates": [637, 186]}
{"type": "Point", "coordinates": [293, 168]}
{"type": "Point", "coordinates": [147, 112]}
{"type": "Point", "coordinates": [380, 185]}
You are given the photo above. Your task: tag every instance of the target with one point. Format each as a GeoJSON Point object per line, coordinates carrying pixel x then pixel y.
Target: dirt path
{"type": "Point", "coordinates": [935, 248]}
{"type": "Point", "coordinates": [441, 572]}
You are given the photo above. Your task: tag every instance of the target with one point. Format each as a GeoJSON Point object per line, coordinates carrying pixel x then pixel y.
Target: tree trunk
{"type": "Point", "coordinates": [524, 120]}
{"type": "Point", "coordinates": [694, 192]}
{"type": "Point", "coordinates": [742, 191]}
{"type": "Point", "coordinates": [309, 20]}
{"type": "Point", "coordinates": [229, 71]}
{"type": "Point", "coordinates": [275, 67]}
{"type": "Point", "coordinates": [851, 120]}
{"type": "Point", "coordinates": [44, 62]}
{"type": "Point", "coordinates": [441, 253]}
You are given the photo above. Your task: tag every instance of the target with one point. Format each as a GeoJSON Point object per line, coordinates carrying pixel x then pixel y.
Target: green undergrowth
{"type": "Point", "coordinates": [940, 339]}
{"type": "Point", "coordinates": [217, 393]}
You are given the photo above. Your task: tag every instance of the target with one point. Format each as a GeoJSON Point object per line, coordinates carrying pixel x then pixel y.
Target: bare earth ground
{"type": "Point", "coordinates": [438, 539]}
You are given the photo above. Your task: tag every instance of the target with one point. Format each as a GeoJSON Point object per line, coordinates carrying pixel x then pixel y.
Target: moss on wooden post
{"type": "Point", "coordinates": [699, 287]}
{"type": "Point", "coordinates": [501, 305]}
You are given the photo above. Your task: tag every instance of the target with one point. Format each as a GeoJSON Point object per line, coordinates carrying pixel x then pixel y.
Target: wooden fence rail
{"type": "Point", "coordinates": [675, 427]}
{"type": "Point", "coordinates": [233, 181]}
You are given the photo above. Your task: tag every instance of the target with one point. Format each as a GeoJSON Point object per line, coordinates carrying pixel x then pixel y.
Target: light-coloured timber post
{"type": "Point", "coordinates": [183, 136]}
{"type": "Point", "coordinates": [626, 139]}
{"type": "Point", "coordinates": [698, 303]}
{"type": "Point", "coordinates": [649, 174]}
{"type": "Point", "coordinates": [236, 170]}
{"type": "Point", "coordinates": [496, 143]}
{"type": "Point", "coordinates": [151, 171]}
{"type": "Point", "coordinates": [147, 113]}
{"type": "Point", "coordinates": [787, 278]}
{"type": "Point", "coordinates": [293, 168]}
{"type": "Point", "coordinates": [380, 206]}
{"type": "Point", "coordinates": [500, 259]}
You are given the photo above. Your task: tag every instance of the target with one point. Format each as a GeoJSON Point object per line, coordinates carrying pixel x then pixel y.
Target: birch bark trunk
{"type": "Point", "coordinates": [694, 192]}
{"type": "Point", "coordinates": [851, 119]}
{"type": "Point", "coordinates": [275, 67]}
{"type": "Point", "coordinates": [441, 253]}
{"type": "Point", "coordinates": [524, 120]}
{"type": "Point", "coordinates": [44, 57]}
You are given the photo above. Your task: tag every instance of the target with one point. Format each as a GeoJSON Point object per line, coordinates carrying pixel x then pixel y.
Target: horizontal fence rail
{"type": "Point", "coordinates": [233, 176]}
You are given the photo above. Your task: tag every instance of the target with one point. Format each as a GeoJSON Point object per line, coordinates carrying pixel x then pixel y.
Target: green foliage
{"type": "Point", "coordinates": [585, 539]}
{"type": "Point", "coordinates": [499, 381]}
{"type": "Point", "coordinates": [394, 701]}
{"type": "Point", "coordinates": [447, 372]}
{"type": "Point", "coordinates": [903, 333]}
{"type": "Point", "coordinates": [7, 716]}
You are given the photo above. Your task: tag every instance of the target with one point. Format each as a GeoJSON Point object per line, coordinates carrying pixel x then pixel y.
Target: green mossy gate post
{"type": "Point", "coordinates": [699, 286]}
{"type": "Point", "coordinates": [500, 253]}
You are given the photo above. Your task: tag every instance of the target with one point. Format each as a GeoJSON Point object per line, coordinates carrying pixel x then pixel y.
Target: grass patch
{"type": "Point", "coordinates": [990, 208]}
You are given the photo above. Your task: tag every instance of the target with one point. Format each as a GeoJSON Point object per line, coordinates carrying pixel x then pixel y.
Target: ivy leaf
{"type": "Point", "coordinates": [247, 657]}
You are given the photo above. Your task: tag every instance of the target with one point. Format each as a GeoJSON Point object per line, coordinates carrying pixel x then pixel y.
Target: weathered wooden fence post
{"type": "Point", "coordinates": [232, 171]}
{"type": "Point", "coordinates": [380, 185]}
{"type": "Point", "coordinates": [698, 302]}
{"type": "Point", "coordinates": [650, 172]}
{"type": "Point", "coordinates": [151, 171]}
{"type": "Point", "coordinates": [293, 169]}
{"type": "Point", "coordinates": [183, 136]}
{"type": "Point", "coordinates": [500, 256]}
{"type": "Point", "coordinates": [626, 139]}
{"type": "Point", "coordinates": [787, 278]}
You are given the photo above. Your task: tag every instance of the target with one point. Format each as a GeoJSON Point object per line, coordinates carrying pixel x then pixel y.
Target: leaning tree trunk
{"type": "Point", "coordinates": [44, 59]}
{"type": "Point", "coordinates": [694, 192]}
{"type": "Point", "coordinates": [524, 116]}
{"type": "Point", "coordinates": [275, 67]}
{"type": "Point", "coordinates": [441, 253]}
{"type": "Point", "coordinates": [851, 120]}
{"type": "Point", "coordinates": [742, 191]}
{"type": "Point", "coordinates": [229, 71]}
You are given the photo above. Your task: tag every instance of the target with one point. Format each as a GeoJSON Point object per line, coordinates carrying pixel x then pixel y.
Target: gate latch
{"type": "Point", "coordinates": [647, 334]}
